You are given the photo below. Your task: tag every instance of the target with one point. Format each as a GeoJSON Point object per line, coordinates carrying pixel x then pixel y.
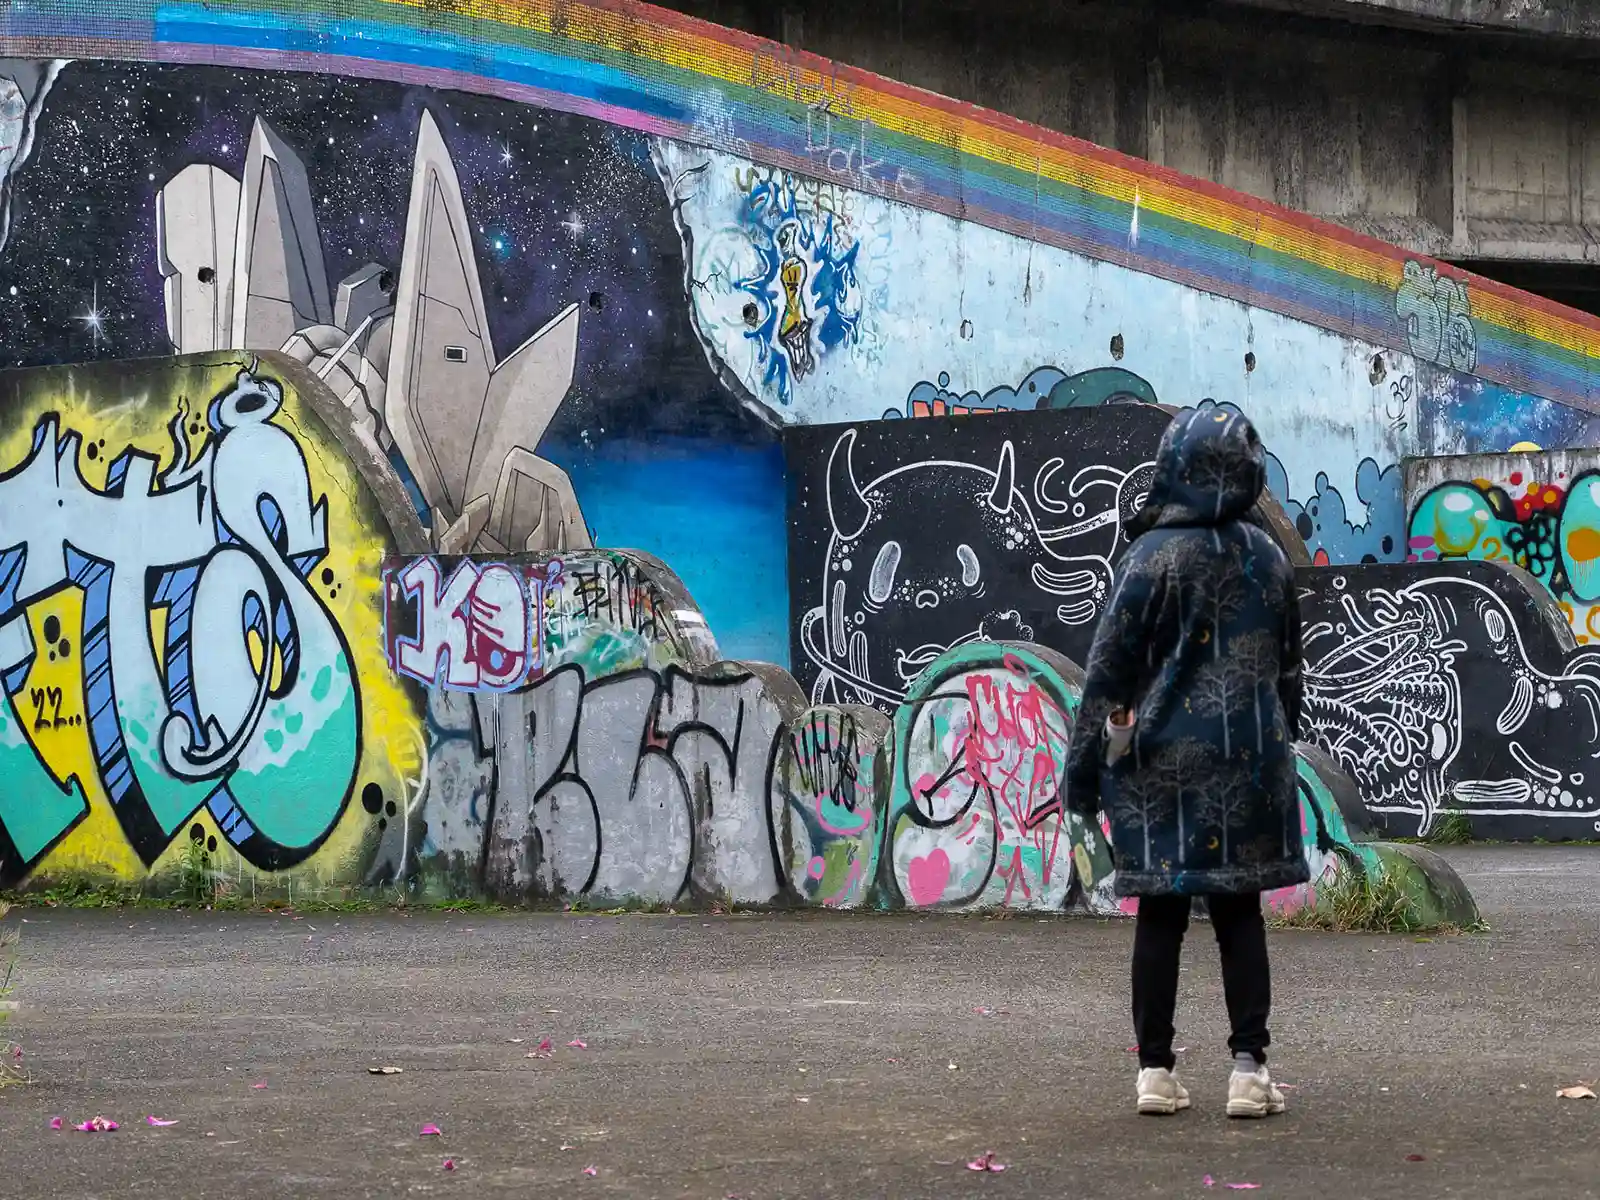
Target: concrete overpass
{"type": "Point", "coordinates": [1461, 129]}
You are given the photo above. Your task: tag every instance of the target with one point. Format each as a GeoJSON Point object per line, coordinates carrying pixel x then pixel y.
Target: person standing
{"type": "Point", "coordinates": [1184, 735]}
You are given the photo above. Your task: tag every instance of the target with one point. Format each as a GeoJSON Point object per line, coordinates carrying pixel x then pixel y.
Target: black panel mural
{"type": "Point", "coordinates": [908, 537]}
{"type": "Point", "coordinates": [1454, 686]}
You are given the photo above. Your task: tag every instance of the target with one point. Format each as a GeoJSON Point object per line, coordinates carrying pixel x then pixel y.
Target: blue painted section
{"type": "Point", "coordinates": [713, 512]}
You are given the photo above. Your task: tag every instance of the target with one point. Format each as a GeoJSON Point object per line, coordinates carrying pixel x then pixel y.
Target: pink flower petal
{"type": "Point", "coordinates": [429, 1131]}
{"type": "Point", "coordinates": [986, 1162]}
{"type": "Point", "coordinates": [1209, 1182]}
{"type": "Point", "coordinates": [158, 1122]}
{"type": "Point", "coordinates": [578, 1044]}
{"type": "Point", "coordinates": [258, 1086]}
{"type": "Point", "coordinates": [590, 1171]}
{"type": "Point", "coordinates": [449, 1164]}
{"type": "Point", "coordinates": [55, 1122]}
{"type": "Point", "coordinates": [1242, 1187]}
{"type": "Point", "coordinates": [96, 1125]}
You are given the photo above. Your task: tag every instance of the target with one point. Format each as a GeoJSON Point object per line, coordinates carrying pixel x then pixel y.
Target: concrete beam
{"type": "Point", "coordinates": [1570, 19]}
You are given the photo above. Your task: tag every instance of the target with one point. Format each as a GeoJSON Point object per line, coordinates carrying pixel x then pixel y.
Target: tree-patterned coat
{"type": "Point", "coordinates": [1202, 639]}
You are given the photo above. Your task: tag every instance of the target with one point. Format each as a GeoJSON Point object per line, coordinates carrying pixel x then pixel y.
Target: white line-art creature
{"type": "Point", "coordinates": [1395, 681]}
{"type": "Point", "coordinates": [936, 553]}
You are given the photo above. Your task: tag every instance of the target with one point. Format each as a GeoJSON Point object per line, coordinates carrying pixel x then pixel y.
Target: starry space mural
{"type": "Point", "coordinates": [561, 210]}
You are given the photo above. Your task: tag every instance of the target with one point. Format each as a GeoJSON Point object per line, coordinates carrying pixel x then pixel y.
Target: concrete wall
{"type": "Point", "coordinates": [568, 290]}
{"type": "Point", "coordinates": [1398, 118]}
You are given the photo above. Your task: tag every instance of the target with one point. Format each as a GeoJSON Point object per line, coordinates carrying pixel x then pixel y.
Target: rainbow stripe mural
{"type": "Point", "coordinates": [662, 73]}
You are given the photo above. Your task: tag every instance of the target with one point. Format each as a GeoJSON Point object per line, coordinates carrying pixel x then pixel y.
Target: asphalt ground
{"type": "Point", "coordinates": [814, 1055]}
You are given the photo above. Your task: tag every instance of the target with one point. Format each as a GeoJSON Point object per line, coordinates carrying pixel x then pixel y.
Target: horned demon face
{"type": "Point", "coordinates": [928, 556]}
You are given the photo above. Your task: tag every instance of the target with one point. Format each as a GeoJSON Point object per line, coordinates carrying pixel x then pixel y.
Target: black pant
{"type": "Point", "coordinates": [1246, 977]}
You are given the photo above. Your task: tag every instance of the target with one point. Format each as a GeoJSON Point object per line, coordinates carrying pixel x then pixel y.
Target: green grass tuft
{"type": "Point", "coordinates": [1453, 828]}
{"type": "Point", "coordinates": [11, 1069]}
{"type": "Point", "coordinates": [1361, 903]}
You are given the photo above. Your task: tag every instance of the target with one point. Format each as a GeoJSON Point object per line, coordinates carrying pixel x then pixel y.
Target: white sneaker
{"type": "Point", "coordinates": [1160, 1093]}
{"type": "Point", "coordinates": [1252, 1094]}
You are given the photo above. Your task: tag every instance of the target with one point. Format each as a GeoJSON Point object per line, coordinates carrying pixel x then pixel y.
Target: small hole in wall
{"type": "Point", "coordinates": [597, 301]}
{"type": "Point", "coordinates": [966, 331]}
{"type": "Point", "coordinates": [206, 274]}
{"type": "Point", "coordinates": [386, 281]}
{"type": "Point", "coordinates": [1116, 347]}
{"type": "Point", "coordinates": [1249, 360]}
{"type": "Point", "coordinates": [1379, 370]}
{"type": "Point", "coordinates": [752, 315]}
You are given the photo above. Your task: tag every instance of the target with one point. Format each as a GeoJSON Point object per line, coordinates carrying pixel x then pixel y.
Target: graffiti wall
{"type": "Point", "coordinates": [496, 293]}
{"type": "Point", "coordinates": [1538, 510]}
{"type": "Point", "coordinates": [909, 538]}
{"type": "Point", "coordinates": [1012, 325]}
{"type": "Point", "coordinates": [579, 298]}
{"type": "Point", "coordinates": [1455, 685]}
{"type": "Point", "coordinates": [588, 743]}
{"type": "Point", "coordinates": [188, 625]}
{"type": "Point", "coordinates": [563, 331]}
{"type": "Point", "coordinates": [630, 761]}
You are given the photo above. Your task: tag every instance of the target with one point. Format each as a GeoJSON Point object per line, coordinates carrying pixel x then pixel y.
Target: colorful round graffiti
{"type": "Point", "coordinates": [1549, 527]}
{"type": "Point", "coordinates": [976, 815]}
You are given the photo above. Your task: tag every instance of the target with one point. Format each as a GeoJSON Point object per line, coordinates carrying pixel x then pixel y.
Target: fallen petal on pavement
{"type": "Point", "coordinates": [429, 1131]}
{"type": "Point", "coordinates": [55, 1122]}
{"type": "Point", "coordinates": [158, 1122]}
{"type": "Point", "coordinates": [590, 1171]}
{"type": "Point", "coordinates": [578, 1044]}
{"type": "Point", "coordinates": [986, 1162]}
{"type": "Point", "coordinates": [96, 1125]}
{"type": "Point", "coordinates": [449, 1164]}
{"type": "Point", "coordinates": [1578, 1091]}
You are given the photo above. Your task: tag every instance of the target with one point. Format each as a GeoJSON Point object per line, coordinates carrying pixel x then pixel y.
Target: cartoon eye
{"type": "Point", "coordinates": [969, 564]}
{"type": "Point", "coordinates": [881, 580]}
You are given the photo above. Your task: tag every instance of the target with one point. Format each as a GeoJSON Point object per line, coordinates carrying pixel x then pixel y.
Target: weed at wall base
{"type": "Point", "coordinates": [1454, 828]}
{"type": "Point", "coordinates": [1360, 902]}
{"type": "Point", "coordinates": [11, 1069]}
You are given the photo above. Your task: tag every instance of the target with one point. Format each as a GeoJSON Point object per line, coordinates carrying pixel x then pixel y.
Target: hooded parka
{"type": "Point", "coordinates": [1201, 639]}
